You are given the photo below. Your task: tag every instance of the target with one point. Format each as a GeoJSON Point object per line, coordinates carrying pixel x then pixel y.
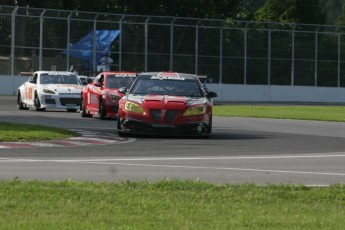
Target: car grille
{"type": "Point", "coordinates": [50, 101]}
{"type": "Point", "coordinates": [67, 100]}
{"type": "Point", "coordinates": [156, 114]}
{"type": "Point", "coordinates": [170, 115]}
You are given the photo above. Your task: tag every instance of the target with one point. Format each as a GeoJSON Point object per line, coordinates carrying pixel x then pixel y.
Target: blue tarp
{"type": "Point", "coordinates": [84, 49]}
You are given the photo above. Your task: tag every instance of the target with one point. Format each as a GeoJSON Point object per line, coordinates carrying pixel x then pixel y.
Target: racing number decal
{"type": "Point", "coordinates": [28, 92]}
{"type": "Point", "coordinates": [94, 99]}
{"type": "Point", "coordinates": [88, 98]}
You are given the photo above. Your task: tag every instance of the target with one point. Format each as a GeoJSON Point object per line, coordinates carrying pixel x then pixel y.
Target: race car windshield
{"type": "Point", "coordinates": [115, 82]}
{"type": "Point", "coordinates": [172, 87]}
{"type": "Point", "coordinates": [59, 79]}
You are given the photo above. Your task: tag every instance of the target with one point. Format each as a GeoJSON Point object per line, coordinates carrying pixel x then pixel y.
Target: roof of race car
{"type": "Point", "coordinates": [119, 73]}
{"type": "Point", "coordinates": [171, 75]}
{"type": "Point", "coordinates": [54, 72]}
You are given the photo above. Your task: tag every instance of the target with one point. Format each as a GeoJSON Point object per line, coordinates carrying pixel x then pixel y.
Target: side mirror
{"type": "Point", "coordinates": [122, 90]}
{"type": "Point", "coordinates": [83, 81]}
{"type": "Point", "coordinates": [211, 94]}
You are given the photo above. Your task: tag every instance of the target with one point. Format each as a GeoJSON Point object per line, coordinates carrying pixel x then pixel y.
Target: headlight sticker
{"type": "Point", "coordinates": [135, 108]}
{"type": "Point", "coordinates": [48, 91]}
{"type": "Point", "coordinates": [195, 110]}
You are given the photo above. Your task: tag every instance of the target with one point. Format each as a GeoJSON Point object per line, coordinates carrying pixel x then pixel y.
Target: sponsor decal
{"type": "Point", "coordinates": [125, 75]}
{"type": "Point", "coordinates": [75, 94]}
{"type": "Point", "coordinates": [167, 78]}
{"type": "Point", "coordinates": [164, 126]}
{"type": "Point", "coordinates": [58, 73]}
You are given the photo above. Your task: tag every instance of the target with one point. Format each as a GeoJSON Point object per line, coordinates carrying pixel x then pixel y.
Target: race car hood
{"type": "Point", "coordinates": [67, 89]}
{"type": "Point", "coordinates": [165, 101]}
{"type": "Point", "coordinates": [112, 94]}
{"type": "Point", "coordinates": [112, 91]}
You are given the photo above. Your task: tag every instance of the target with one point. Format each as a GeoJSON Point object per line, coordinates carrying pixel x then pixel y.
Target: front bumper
{"type": "Point", "coordinates": [187, 129]}
{"type": "Point", "coordinates": [111, 108]}
{"type": "Point", "coordinates": [59, 102]}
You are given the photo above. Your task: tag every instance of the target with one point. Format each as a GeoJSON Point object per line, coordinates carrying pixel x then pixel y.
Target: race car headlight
{"type": "Point", "coordinates": [135, 108]}
{"type": "Point", "coordinates": [195, 110]}
{"type": "Point", "coordinates": [48, 91]}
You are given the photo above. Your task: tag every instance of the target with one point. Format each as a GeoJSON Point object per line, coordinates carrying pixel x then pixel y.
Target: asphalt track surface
{"type": "Point", "coordinates": [240, 150]}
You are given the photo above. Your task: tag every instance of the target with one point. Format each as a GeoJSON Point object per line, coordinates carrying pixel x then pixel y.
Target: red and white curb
{"type": "Point", "coordinates": [87, 138]}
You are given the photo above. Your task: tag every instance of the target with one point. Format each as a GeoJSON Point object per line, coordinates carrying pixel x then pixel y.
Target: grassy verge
{"type": "Point", "coordinates": [320, 113]}
{"type": "Point", "coordinates": [10, 132]}
{"type": "Point", "coordinates": [168, 205]}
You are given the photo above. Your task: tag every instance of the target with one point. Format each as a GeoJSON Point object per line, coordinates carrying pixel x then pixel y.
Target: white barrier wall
{"type": "Point", "coordinates": [236, 93]}
{"type": "Point", "coordinates": [275, 93]}
{"type": "Point", "coordinates": [9, 85]}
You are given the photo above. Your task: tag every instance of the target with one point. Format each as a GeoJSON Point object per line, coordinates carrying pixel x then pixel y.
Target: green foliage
{"type": "Point", "coordinates": [341, 18]}
{"type": "Point", "coordinates": [291, 11]}
{"type": "Point", "coordinates": [196, 9]}
{"type": "Point", "coordinates": [332, 10]}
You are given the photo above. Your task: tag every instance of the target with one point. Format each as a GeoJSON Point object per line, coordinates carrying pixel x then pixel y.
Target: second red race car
{"type": "Point", "coordinates": [101, 97]}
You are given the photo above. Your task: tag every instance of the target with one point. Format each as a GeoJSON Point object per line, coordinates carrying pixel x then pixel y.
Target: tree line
{"type": "Point", "coordinates": [292, 11]}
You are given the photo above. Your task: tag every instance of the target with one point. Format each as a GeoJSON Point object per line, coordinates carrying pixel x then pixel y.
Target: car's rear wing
{"type": "Point", "coordinates": [203, 77]}
{"type": "Point", "coordinates": [27, 74]}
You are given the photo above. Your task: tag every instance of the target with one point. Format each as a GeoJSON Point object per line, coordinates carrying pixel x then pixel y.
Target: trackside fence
{"type": "Point", "coordinates": [228, 52]}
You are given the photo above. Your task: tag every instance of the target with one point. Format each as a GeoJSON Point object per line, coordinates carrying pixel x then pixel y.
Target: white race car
{"type": "Point", "coordinates": [50, 90]}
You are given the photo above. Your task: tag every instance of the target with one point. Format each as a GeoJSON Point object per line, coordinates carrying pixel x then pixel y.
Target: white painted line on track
{"type": "Point", "coordinates": [220, 168]}
{"type": "Point", "coordinates": [333, 155]}
{"type": "Point", "coordinates": [107, 161]}
{"type": "Point", "coordinates": [186, 167]}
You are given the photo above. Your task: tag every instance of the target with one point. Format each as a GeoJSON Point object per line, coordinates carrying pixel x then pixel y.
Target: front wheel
{"type": "Point", "coordinates": [20, 103]}
{"type": "Point", "coordinates": [83, 112]}
{"type": "Point", "coordinates": [37, 104]}
{"type": "Point", "coordinates": [209, 126]}
{"type": "Point", "coordinates": [101, 111]}
{"type": "Point", "coordinates": [119, 132]}
{"type": "Point", "coordinates": [72, 110]}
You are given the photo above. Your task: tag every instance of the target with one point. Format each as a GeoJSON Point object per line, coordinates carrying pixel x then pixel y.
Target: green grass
{"type": "Point", "coordinates": [10, 132]}
{"type": "Point", "coordinates": [168, 205]}
{"type": "Point", "coordinates": [298, 112]}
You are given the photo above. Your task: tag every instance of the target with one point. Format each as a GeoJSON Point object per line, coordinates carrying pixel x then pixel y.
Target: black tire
{"type": "Point", "coordinates": [209, 131]}
{"type": "Point", "coordinates": [37, 104]}
{"type": "Point", "coordinates": [72, 110]}
{"type": "Point", "coordinates": [119, 132]}
{"type": "Point", "coordinates": [82, 109]}
{"type": "Point", "coordinates": [101, 110]}
{"type": "Point", "coordinates": [20, 103]}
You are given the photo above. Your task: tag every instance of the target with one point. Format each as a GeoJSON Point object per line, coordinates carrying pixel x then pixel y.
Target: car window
{"type": "Point", "coordinates": [49, 78]}
{"type": "Point", "coordinates": [186, 87]}
{"type": "Point", "coordinates": [113, 81]}
{"type": "Point", "coordinates": [33, 78]}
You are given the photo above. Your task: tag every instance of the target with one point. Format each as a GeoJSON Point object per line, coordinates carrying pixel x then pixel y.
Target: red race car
{"type": "Point", "coordinates": [166, 103]}
{"type": "Point", "coordinates": [101, 97]}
